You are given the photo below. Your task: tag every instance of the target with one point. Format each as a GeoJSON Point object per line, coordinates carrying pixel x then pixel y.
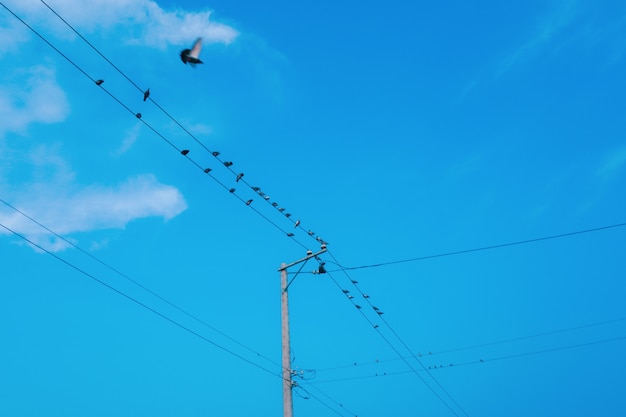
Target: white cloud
{"type": "Point", "coordinates": [68, 209]}
{"type": "Point", "coordinates": [144, 21]}
{"type": "Point", "coordinates": [38, 99]}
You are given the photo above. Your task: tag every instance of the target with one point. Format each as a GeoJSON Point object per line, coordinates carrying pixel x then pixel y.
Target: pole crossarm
{"type": "Point", "coordinates": [306, 258]}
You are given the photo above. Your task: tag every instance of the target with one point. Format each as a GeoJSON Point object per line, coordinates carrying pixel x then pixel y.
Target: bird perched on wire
{"type": "Point", "coordinates": [192, 56]}
{"type": "Point", "coordinates": [146, 94]}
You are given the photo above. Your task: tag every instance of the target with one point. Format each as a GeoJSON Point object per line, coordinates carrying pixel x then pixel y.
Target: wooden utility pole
{"type": "Point", "coordinates": [286, 346]}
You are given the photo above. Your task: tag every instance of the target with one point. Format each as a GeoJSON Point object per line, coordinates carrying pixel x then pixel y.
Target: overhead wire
{"type": "Point", "coordinates": [391, 345]}
{"type": "Point", "coordinates": [152, 128]}
{"type": "Point", "coordinates": [137, 302]}
{"type": "Point", "coordinates": [135, 282]}
{"type": "Point", "coordinates": [257, 190]}
{"type": "Point", "coordinates": [492, 343]}
{"type": "Point", "coordinates": [238, 175]}
{"type": "Point", "coordinates": [481, 360]}
{"type": "Point", "coordinates": [479, 249]}
{"type": "Point", "coordinates": [340, 405]}
{"type": "Point", "coordinates": [402, 342]}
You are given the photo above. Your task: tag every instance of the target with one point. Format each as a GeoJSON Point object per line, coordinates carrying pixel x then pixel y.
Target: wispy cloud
{"type": "Point", "coordinates": [38, 99]}
{"type": "Point", "coordinates": [613, 164]}
{"type": "Point", "coordinates": [145, 21]}
{"type": "Point", "coordinates": [129, 140]}
{"type": "Point", "coordinates": [540, 36]}
{"type": "Point", "coordinates": [91, 208]}
{"type": "Point", "coordinates": [543, 34]}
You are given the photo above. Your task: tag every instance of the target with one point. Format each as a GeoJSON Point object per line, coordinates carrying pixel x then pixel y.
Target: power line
{"type": "Point", "coordinates": [136, 301]}
{"type": "Point", "coordinates": [380, 315]}
{"type": "Point", "coordinates": [481, 360]}
{"type": "Point", "coordinates": [137, 283]}
{"type": "Point", "coordinates": [483, 248]}
{"type": "Point", "coordinates": [238, 175]}
{"type": "Point", "coordinates": [340, 405]}
{"type": "Point", "coordinates": [497, 342]}
{"type": "Point", "coordinates": [375, 327]}
{"type": "Point", "coordinates": [184, 152]}
{"type": "Point", "coordinates": [413, 355]}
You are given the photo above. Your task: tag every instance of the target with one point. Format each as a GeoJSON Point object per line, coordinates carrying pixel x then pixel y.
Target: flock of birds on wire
{"type": "Point", "coordinates": [191, 56]}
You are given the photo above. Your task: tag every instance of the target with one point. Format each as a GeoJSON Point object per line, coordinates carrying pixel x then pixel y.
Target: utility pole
{"type": "Point", "coordinates": [286, 346]}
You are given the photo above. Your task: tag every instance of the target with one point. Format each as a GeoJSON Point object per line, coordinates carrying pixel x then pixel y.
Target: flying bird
{"type": "Point", "coordinates": [146, 94]}
{"type": "Point", "coordinates": [191, 56]}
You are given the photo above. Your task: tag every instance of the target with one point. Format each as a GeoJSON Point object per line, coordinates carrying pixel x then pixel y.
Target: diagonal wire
{"type": "Point", "coordinates": [139, 303]}
{"type": "Point", "coordinates": [137, 283]}
{"type": "Point", "coordinates": [239, 176]}
{"type": "Point", "coordinates": [413, 355]}
{"type": "Point", "coordinates": [485, 360]}
{"type": "Point", "coordinates": [391, 345]}
{"type": "Point", "coordinates": [483, 248]}
{"type": "Point", "coordinates": [149, 126]}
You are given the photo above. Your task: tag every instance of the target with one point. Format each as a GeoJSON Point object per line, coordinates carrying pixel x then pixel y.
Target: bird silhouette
{"type": "Point", "coordinates": [191, 56]}
{"type": "Point", "coordinates": [99, 82]}
{"type": "Point", "coordinates": [239, 176]}
{"type": "Point", "coordinates": [146, 94]}
{"type": "Point", "coordinates": [297, 223]}
{"type": "Point", "coordinates": [228, 164]}
{"type": "Point", "coordinates": [207, 170]}
{"type": "Point", "coordinates": [215, 153]}
{"type": "Point", "coordinates": [138, 115]}
{"type": "Point", "coordinates": [232, 190]}
{"type": "Point", "coordinates": [185, 151]}
{"type": "Point", "coordinates": [248, 202]}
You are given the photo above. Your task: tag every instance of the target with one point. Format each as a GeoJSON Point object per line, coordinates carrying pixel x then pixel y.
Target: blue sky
{"type": "Point", "coordinates": [392, 132]}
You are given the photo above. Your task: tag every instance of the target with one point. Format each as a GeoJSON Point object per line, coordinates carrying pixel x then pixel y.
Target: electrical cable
{"type": "Point", "coordinates": [139, 303]}
{"type": "Point", "coordinates": [137, 283]}
{"type": "Point", "coordinates": [406, 346]}
{"type": "Point", "coordinates": [367, 300]}
{"type": "Point", "coordinates": [238, 176]}
{"type": "Point", "coordinates": [336, 402]}
{"type": "Point", "coordinates": [121, 103]}
{"type": "Point", "coordinates": [396, 350]}
{"type": "Point", "coordinates": [481, 360]}
{"type": "Point", "coordinates": [492, 343]}
{"type": "Point", "coordinates": [484, 248]}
